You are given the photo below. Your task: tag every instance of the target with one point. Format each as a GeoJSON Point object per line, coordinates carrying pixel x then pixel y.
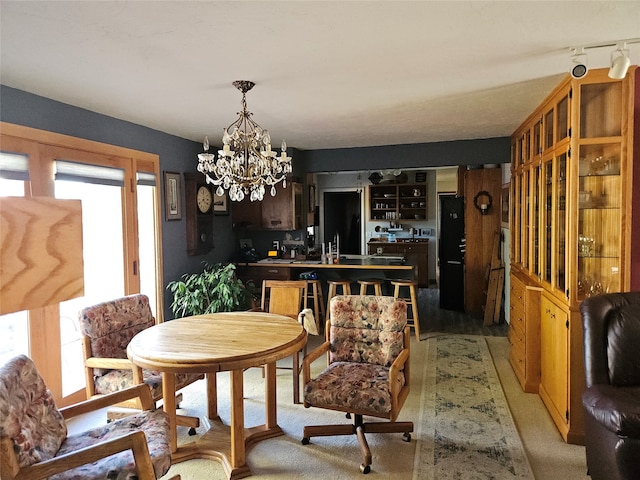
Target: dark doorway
{"type": "Point", "coordinates": [451, 253]}
{"type": "Point", "coordinates": [342, 216]}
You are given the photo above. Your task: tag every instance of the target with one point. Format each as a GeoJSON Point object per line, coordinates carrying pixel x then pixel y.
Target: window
{"type": "Point", "coordinates": [14, 329]}
{"type": "Point", "coordinates": [121, 240]}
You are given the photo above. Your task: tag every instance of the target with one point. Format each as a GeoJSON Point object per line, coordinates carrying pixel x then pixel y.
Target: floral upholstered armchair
{"type": "Point", "coordinates": [33, 434]}
{"type": "Point", "coordinates": [368, 369]}
{"type": "Point", "coordinates": [107, 329]}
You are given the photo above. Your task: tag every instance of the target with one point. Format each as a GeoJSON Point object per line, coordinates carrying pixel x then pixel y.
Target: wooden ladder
{"type": "Point", "coordinates": [495, 283]}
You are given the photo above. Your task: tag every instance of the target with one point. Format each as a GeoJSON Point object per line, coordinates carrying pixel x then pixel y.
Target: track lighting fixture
{"type": "Point", "coordinates": [620, 62]}
{"type": "Point", "coordinates": [579, 68]}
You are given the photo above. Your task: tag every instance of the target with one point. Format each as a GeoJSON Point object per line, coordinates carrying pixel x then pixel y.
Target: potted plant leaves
{"type": "Point", "coordinates": [215, 289]}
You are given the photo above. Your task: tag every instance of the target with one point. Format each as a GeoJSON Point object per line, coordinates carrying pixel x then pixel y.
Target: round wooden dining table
{"type": "Point", "coordinates": [214, 343]}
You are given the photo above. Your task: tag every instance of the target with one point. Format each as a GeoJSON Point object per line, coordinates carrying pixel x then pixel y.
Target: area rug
{"type": "Point", "coordinates": [465, 430]}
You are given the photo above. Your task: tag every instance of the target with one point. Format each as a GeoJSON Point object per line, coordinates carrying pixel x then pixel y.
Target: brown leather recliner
{"type": "Point", "coordinates": [611, 400]}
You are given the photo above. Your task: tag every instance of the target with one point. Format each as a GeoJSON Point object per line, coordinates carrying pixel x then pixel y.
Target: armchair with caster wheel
{"type": "Point", "coordinates": [367, 344]}
{"type": "Point", "coordinates": [34, 443]}
{"type": "Point", "coordinates": [107, 328]}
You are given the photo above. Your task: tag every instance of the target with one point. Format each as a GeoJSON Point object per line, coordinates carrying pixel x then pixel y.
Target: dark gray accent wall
{"type": "Point", "coordinates": [179, 155]}
{"type": "Point", "coordinates": [420, 155]}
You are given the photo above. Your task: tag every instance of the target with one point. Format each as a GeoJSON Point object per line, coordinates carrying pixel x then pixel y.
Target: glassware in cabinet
{"type": "Point", "coordinates": [560, 234]}
{"type": "Point", "coordinates": [599, 219]}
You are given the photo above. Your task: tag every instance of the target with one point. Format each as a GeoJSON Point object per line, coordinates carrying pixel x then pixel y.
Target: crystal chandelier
{"type": "Point", "coordinates": [246, 164]}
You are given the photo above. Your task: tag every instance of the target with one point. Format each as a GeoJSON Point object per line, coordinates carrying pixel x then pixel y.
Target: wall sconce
{"type": "Point", "coordinates": [483, 201]}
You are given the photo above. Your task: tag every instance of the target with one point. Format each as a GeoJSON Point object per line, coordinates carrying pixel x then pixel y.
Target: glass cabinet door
{"type": "Point", "coordinates": [537, 138]}
{"type": "Point", "coordinates": [559, 258]}
{"type": "Point", "coordinates": [548, 130]}
{"type": "Point", "coordinates": [599, 220]}
{"type": "Point", "coordinates": [535, 224]}
{"type": "Point", "coordinates": [562, 126]}
{"type": "Point", "coordinates": [599, 242]}
{"type": "Point", "coordinates": [526, 201]}
{"type": "Point", "coordinates": [516, 183]}
{"type": "Point", "coordinates": [547, 218]}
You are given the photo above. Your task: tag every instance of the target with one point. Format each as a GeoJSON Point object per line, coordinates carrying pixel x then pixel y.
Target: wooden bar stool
{"type": "Point", "coordinates": [314, 294]}
{"type": "Point", "coordinates": [333, 290]}
{"type": "Point", "coordinates": [376, 283]}
{"type": "Point", "coordinates": [412, 301]}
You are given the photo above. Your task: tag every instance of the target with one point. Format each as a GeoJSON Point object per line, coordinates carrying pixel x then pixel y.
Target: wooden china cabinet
{"type": "Point", "coordinates": [571, 185]}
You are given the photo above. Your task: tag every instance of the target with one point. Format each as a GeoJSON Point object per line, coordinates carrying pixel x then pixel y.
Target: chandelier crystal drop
{"type": "Point", "coordinates": [246, 165]}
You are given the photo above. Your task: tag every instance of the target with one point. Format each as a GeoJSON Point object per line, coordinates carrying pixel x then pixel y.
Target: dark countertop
{"type": "Point", "coordinates": [372, 262]}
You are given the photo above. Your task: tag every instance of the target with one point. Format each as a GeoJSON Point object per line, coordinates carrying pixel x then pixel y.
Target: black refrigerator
{"type": "Point", "coordinates": [451, 250]}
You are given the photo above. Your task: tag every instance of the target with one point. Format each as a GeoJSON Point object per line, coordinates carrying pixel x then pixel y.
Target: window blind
{"type": "Point", "coordinates": [14, 166]}
{"type": "Point", "coordinates": [83, 172]}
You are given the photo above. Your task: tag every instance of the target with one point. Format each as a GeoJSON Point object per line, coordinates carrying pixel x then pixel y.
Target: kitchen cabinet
{"type": "Point", "coordinates": [398, 202]}
{"type": "Point", "coordinates": [554, 359]}
{"type": "Point", "coordinates": [524, 337]}
{"type": "Point", "coordinates": [572, 175]}
{"type": "Point", "coordinates": [416, 253]}
{"type": "Point", "coordinates": [280, 212]}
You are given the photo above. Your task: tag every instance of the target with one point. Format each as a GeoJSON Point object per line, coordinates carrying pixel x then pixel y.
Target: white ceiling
{"type": "Point", "coordinates": [328, 74]}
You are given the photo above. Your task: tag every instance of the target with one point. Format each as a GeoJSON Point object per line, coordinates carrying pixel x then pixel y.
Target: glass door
{"type": "Point", "coordinates": [121, 243]}
{"type": "Point", "coordinates": [535, 224]}
{"type": "Point", "coordinates": [599, 242]}
{"type": "Point", "coordinates": [560, 213]}
{"type": "Point", "coordinates": [526, 219]}
{"type": "Point", "coordinates": [547, 218]}
{"type": "Point", "coordinates": [14, 327]}
{"type": "Point", "coordinates": [100, 190]}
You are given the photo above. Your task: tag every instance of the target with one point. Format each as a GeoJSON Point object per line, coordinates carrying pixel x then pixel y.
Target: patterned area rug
{"type": "Point", "coordinates": [465, 430]}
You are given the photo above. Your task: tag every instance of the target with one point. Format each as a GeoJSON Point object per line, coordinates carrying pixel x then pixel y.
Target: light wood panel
{"type": "Point", "coordinates": [479, 233]}
{"type": "Point", "coordinates": [41, 262]}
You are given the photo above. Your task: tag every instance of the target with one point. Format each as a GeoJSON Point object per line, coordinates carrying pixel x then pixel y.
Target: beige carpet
{"type": "Point", "coordinates": [329, 457]}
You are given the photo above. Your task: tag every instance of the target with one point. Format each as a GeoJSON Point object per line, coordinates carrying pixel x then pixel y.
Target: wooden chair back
{"type": "Point", "coordinates": [284, 297]}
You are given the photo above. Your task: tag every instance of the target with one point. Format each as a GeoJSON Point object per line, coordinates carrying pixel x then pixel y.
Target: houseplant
{"type": "Point", "coordinates": [215, 289]}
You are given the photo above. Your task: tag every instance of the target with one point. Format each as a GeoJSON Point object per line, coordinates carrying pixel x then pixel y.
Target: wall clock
{"type": "Point", "coordinates": [204, 199]}
{"type": "Point", "coordinates": [199, 214]}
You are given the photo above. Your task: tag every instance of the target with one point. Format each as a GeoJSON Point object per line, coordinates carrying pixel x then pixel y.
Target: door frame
{"type": "Point", "coordinates": [360, 191]}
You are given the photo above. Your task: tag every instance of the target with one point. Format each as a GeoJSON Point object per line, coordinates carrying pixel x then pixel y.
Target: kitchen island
{"type": "Point", "coordinates": [352, 267]}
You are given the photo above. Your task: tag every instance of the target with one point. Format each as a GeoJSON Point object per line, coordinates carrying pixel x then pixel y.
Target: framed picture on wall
{"type": "Point", "coordinates": [505, 205]}
{"type": "Point", "coordinates": [172, 196]}
{"type": "Point", "coordinates": [221, 203]}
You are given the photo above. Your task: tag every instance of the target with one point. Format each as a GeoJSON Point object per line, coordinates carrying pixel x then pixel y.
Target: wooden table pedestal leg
{"type": "Point", "coordinates": [271, 420]}
{"type": "Point", "coordinates": [237, 419]}
{"type": "Point", "coordinates": [169, 405]}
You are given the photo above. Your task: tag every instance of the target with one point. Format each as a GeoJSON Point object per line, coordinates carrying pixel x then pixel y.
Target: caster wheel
{"type": "Point", "coordinates": [305, 440]}
{"type": "Point", "coordinates": [365, 468]}
{"type": "Point", "coordinates": [406, 437]}
{"type": "Point", "coordinates": [192, 432]}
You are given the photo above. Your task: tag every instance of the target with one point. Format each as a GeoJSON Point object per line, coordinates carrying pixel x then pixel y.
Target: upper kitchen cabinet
{"type": "Point", "coordinates": [282, 212]}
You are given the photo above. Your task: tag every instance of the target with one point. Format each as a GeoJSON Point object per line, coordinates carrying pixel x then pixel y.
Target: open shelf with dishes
{"type": "Point", "coordinates": [398, 202]}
